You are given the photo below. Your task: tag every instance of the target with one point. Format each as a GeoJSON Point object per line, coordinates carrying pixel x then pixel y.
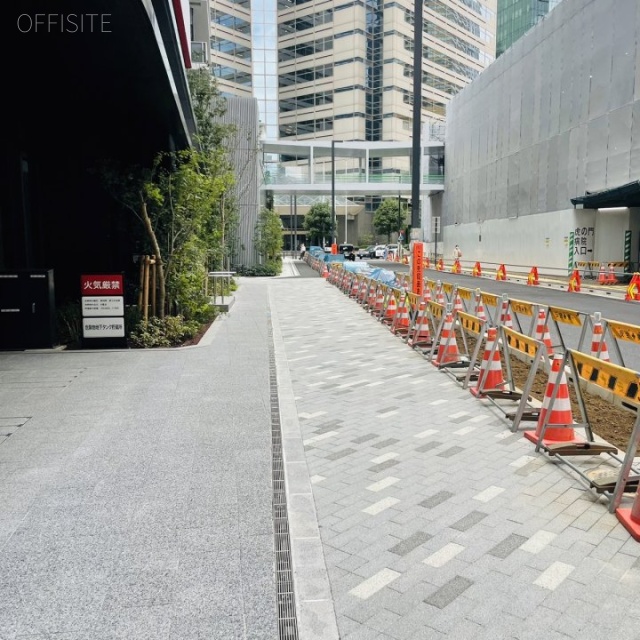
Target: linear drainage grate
{"type": "Point", "coordinates": [287, 620]}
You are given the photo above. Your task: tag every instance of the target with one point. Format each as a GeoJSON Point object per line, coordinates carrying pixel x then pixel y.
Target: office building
{"type": "Point", "coordinates": [327, 69]}
{"type": "Point", "coordinates": [516, 17]}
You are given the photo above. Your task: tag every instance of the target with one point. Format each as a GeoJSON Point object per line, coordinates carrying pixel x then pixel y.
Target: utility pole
{"type": "Point", "coordinates": [416, 165]}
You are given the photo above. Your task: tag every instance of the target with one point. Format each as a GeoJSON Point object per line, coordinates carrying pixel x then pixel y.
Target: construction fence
{"type": "Point", "coordinates": [474, 337]}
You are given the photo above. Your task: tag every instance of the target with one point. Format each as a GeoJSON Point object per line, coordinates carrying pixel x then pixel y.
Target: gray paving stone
{"type": "Point", "coordinates": [428, 446]}
{"type": "Point", "coordinates": [471, 519]}
{"type": "Point", "coordinates": [365, 438]}
{"type": "Point", "coordinates": [411, 543]}
{"type": "Point", "coordinates": [385, 443]}
{"type": "Point", "coordinates": [383, 466]}
{"type": "Point", "coordinates": [508, 546]}
{"type": "Point", "coordinates": [449, 592]}
{"type": "Point", "coordinates": [336, 455]}
{"type": "Point", "coordinates": [452, 451]}
{"type": "Point", "coordinates": [436, 499]}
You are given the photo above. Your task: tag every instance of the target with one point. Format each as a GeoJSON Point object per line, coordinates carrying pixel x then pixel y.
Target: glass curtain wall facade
{"type": "Point", "coordinates": [343, 69]}
{"type": "Point", "coordinates": [516, 17]}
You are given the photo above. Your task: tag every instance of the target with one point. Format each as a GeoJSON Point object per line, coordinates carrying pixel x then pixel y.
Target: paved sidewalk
{"type": "Point", "coordinates": [136, 493]}
{"type": "Point", "coordinates": [135, 488]}
{"type": "Point", "coordinates": [436, 521]}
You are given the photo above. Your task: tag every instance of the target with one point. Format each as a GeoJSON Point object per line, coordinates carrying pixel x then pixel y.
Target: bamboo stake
{"type": "Point", "coordinates": [141, 259]}
{"type": "Point", "coordinates": [154, 287]}
{"type": "Point", "coordinates": [145, 294]}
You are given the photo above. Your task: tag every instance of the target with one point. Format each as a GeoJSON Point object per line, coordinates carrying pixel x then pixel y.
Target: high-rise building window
{"type": "Point", "coordinates": [235, 23]}
{"type": "Point", "coordinates": [306, 101]}
{"type": "Point", "coordinates": [305, 22]}
{"type": "Point", "coordinates": [459, 19]}
{"type": "Point", "coordinates": [306, 75]}
{"type": "Point", "coordinates": [301, 49]}
{"type": "Point", "coordinates": [231, 74]}
{"type": "Point", "coordinates": [231, 48]}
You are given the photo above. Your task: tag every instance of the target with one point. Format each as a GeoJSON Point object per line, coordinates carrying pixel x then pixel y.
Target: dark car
{"type": "Point", "coordinates": [348, 251]}
{"type": "Point", "coordinates": [367, 252]}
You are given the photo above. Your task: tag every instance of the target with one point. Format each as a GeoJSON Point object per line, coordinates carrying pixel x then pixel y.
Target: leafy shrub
{"type": "Point", "coordinates": [268, 269]}
{"type": "Point", "coordinates": [170, 331]}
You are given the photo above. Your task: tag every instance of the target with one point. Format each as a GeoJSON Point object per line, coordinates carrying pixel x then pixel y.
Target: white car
{"type": "Point", "coordinates": [379, 250]}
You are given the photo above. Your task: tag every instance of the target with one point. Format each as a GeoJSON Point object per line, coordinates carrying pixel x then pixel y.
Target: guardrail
{"type": "Point", "coordinates": [356, 178]}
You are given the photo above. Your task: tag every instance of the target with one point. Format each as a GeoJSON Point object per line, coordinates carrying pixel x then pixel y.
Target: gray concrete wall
{"type": "Point", "coordinates": [556, 115]}
{"type": "Point", "coordinates": [243, 114]}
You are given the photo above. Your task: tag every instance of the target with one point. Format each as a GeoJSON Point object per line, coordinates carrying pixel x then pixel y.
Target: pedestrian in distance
{"type": "Point", "coordinates": [457, 253]}
{"type": "Point", "coordinates": [303, 250]}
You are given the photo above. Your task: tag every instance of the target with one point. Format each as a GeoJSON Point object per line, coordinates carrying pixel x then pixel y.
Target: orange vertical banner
{"type": "Point", "coordinates": [417, 282]}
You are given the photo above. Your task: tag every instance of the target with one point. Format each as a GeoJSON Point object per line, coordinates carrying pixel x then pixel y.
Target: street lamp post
{"type": "Point", "coordinates": [416, 170]}
{"type": "Point", "coordinates": [399, 226]}
{"type": "Point", "coordinates": [333, 193]}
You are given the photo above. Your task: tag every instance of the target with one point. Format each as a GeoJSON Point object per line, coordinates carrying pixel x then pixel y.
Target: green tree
{"type": "Point", "coordinates": [389, 217]}
{"type": "Point", "coordinates": [268, 236]}
{"type": "Point", "coordinates": [180, 201]}
{"type": "Point", "coordinates": [317, 222]}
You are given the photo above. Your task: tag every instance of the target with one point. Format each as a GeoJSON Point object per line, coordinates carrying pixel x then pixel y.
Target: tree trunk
{"type": "Point", "coordinates": [156, 249]}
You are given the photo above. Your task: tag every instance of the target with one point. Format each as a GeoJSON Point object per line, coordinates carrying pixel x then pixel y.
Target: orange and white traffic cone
{"type": "Point", "coordinates": [448, 345]}
{"type": "Point", "coordinates": [560, 416]}
{"type": "Point", "coordinates": [602, 275]}
{"type": "Point", "coordinates": [440, 293]}
{"type": "Point", "coordinates": [477, 270]}
{"type": "Point", "coordinates": [421, 334]}
{"type": "Point", "coordinates": [611, 276]}
{"type": "Point", "coordinates": [355, 288]}
{"type": "Point", "coordinates": [371, 298]}
{"type": "Point", "coordinates": [378, 307]}
{"type": "Point", "coordinates": [630, 518]}
{"type": "Point", "coordinates": [505, 316]}
{"type": "Point", "coordinates": [342, 280]}
{"type": "Point", "coordinates": [480, 313]}
{"type": "Point", "coordinates": [457, 304]}
{"type": "Point", "coordinates": [542, 332]}
{"type": "Point", "coordinates": [400, 324]}
{"type": "Point", "coordinates": [490, 375]}
{"type": "Point", "coordinates": [325, 271]}
{"type": "Point", "coordinates": [362, 293]}
{"type": "Point", "coordinates": [501, 273]}
{"type": "Point", "coordinates": [598, 343]}
{"type": "Point", "coordinates": [390, 311]}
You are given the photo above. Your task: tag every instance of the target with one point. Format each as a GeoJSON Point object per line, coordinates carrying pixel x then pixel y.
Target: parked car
{"type": "Point", "coordinates": [379, 251]}
{"type": "Point", "coordinates": [367, 252]}
{"type": "Point", "coordinates": [392, 248]}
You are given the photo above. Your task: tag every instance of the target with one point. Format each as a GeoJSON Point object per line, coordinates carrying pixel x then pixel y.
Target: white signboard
{"type": "Point", "coordinates": [102, 306]}
{"type": "Point", "coordinates": [103, 327]}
